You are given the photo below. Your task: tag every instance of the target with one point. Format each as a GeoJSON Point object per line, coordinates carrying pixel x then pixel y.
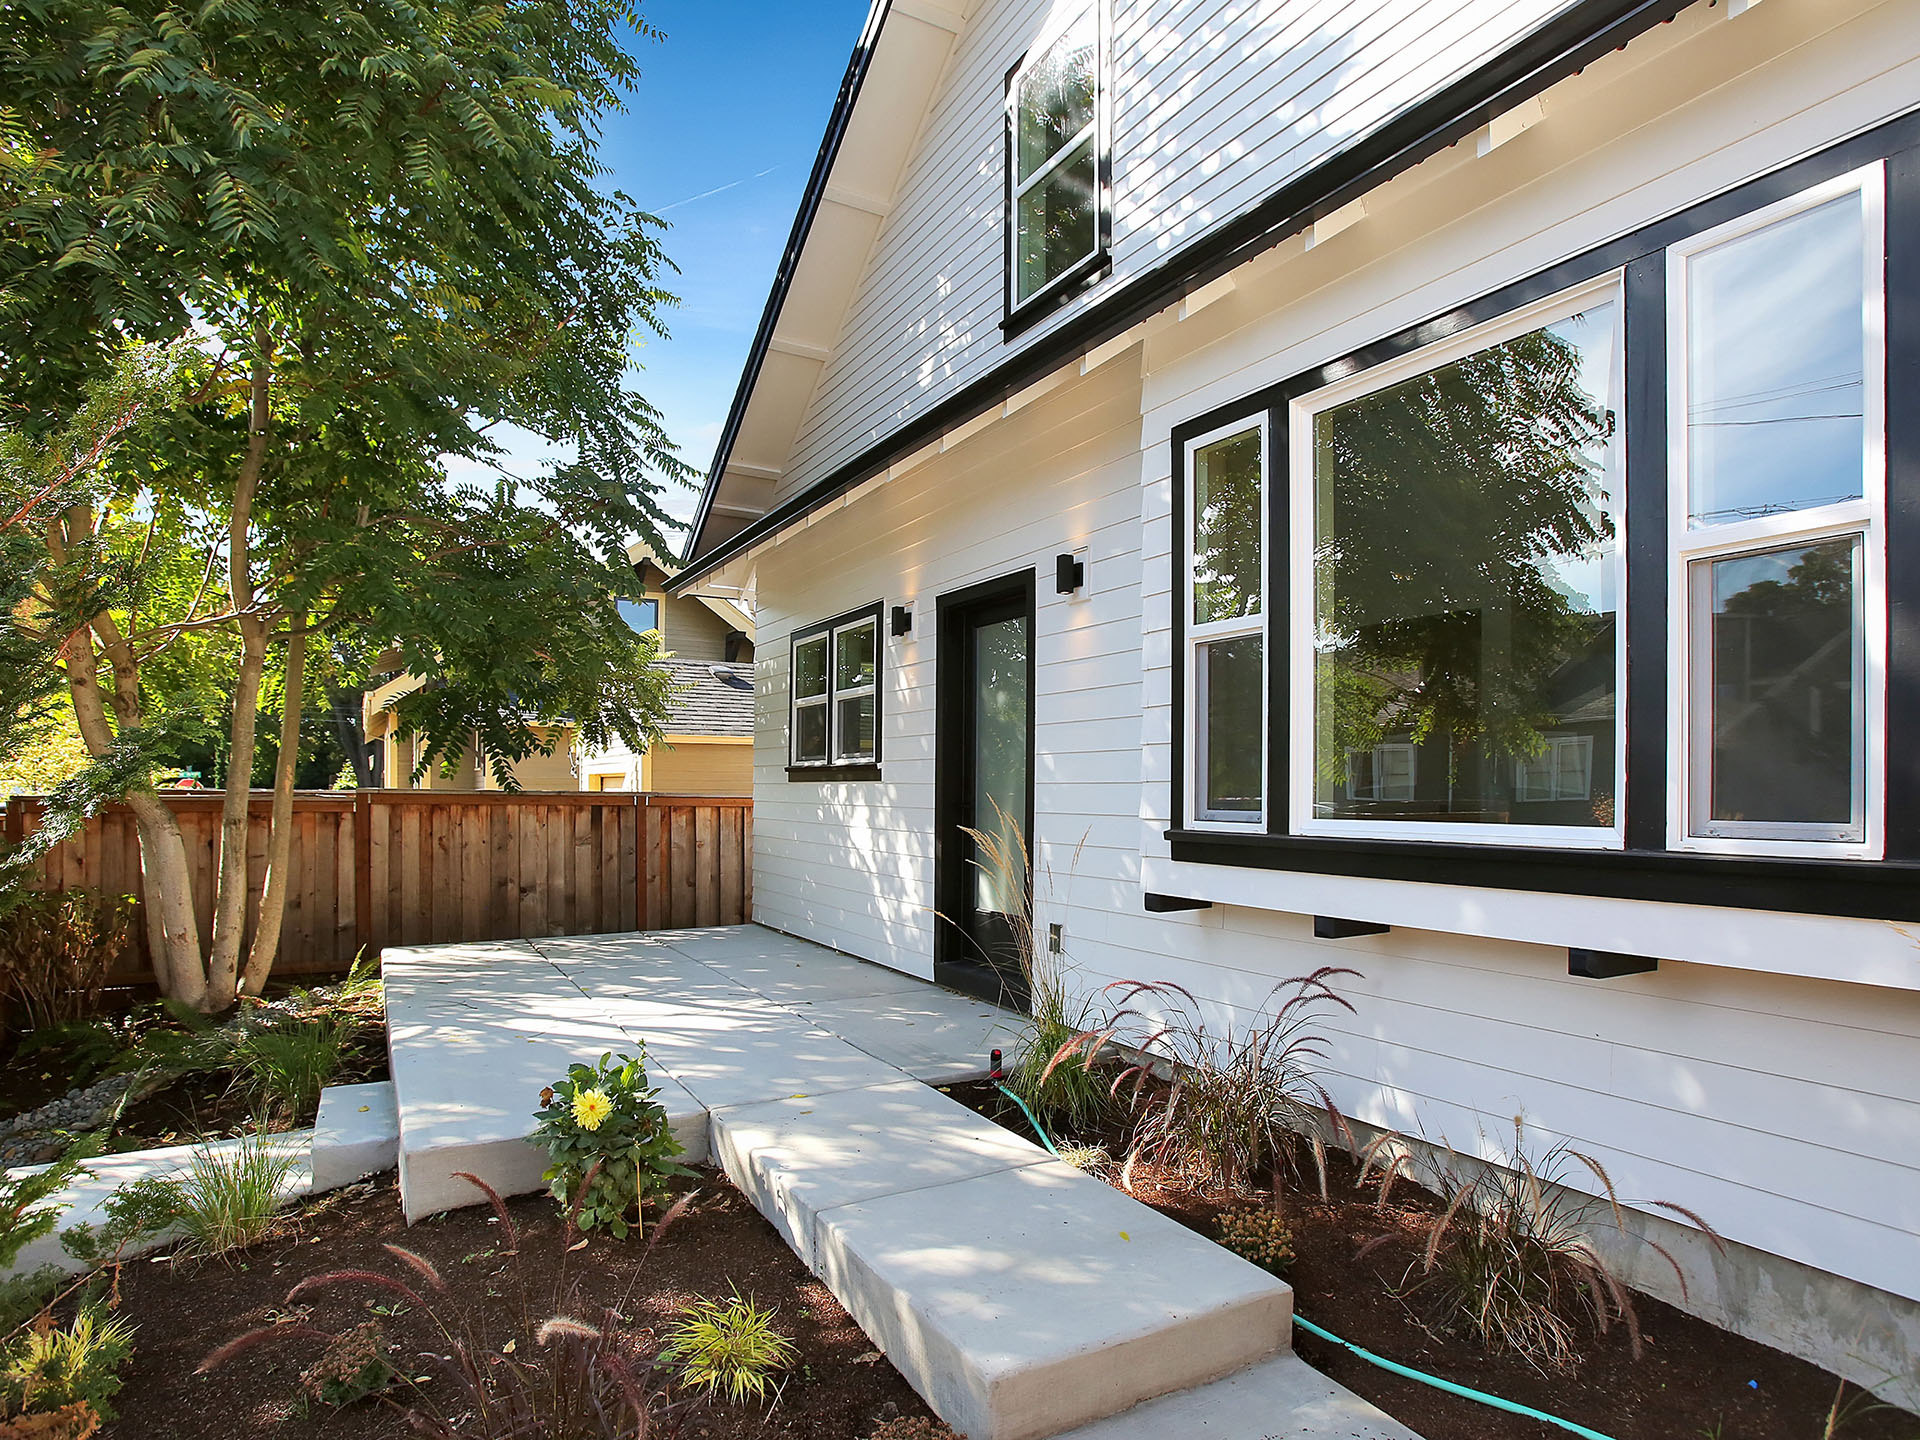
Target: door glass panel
{"type": "Point", "coordinates": [1784, 640]}
{"type": "Point", "coordinates": [999, 800]}
{"type": "Point", "coordinates": [1775, 379]}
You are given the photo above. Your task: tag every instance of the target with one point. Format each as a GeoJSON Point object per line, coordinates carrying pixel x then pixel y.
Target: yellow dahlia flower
{"type": "Point", "coordinates": [590, 1108]}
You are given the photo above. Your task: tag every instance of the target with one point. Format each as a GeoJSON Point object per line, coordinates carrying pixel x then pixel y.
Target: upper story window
{"type": "Point", "coordinates": [835, 670]}
{"type": "Point", "coordinates": [1057, 156]}
{"type": "Point", "coordinates": [1405, 613]}
{"type": "Point", "coordinates": [642, 615]}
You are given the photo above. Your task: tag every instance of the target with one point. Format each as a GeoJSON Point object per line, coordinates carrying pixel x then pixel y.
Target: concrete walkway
{"type": "Point", "coordinates": [1020, 1297]}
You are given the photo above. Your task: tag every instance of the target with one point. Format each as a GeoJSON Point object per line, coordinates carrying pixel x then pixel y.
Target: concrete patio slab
{"type": "Point", "coordinates": [754, 1060]}
{"type": "Point", "coordinates": [355, 1134]}
{"type": "Point", "coordinates": [793, 979]}
{"type": "Point", "coordinates": [934, 1035]}
{"type": "Point", "coordinates": [1282, 1398]}
{"type": "Point", "coordinates": [797, 1157]}
{"type": "Point", "coordinates": [1028, 1301]}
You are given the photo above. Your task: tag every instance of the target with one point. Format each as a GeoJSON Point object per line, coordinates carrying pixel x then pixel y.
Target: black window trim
{"type": "Point", "coordinates": [830, 768]}
{"type": "Point", "coordinates": [1886, 888]}
{"type": "Point", "coordinates": [1018, 315]}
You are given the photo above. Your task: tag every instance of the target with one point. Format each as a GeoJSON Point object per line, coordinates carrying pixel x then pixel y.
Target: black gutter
{"type": "Point", "coordinates": [810, 199]}
{"type": "Point", "coordinates": [1563, 46]}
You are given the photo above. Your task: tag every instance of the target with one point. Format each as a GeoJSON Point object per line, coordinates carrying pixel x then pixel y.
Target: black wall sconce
{"type": "Point", "coordinates": [1069, 574]}
{"type": "Point", "coordinates": [902, 619]}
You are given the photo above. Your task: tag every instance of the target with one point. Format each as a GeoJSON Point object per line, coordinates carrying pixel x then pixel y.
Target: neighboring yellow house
{"type": "Point", "coordinates": [708, 642]}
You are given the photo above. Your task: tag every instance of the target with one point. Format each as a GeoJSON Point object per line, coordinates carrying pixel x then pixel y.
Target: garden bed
{"type": "Point", "coordinates": [1693, 1379]}
{"type": "Point", "coordinates": [837, 1389]}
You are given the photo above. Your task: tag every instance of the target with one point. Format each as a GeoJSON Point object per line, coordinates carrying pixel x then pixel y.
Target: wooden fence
{"type": "Point", "coordinates": [374, 868]}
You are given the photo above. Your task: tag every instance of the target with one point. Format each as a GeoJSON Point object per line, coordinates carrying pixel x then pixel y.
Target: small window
{"type": "Point", "coordinates": [1226, 531]}
{"type": "Point", "coordinates": [1562, 769]}
{"type": "Point", "coordinates": [1386, 772]}
{"type": "Point", "coordinates": [836, 692]}
{"type": "Point", "coordinates": [642, 615]}
{"type": "Point", "coordinates": [1776, 386]}
{"type": "Point", "coordinates": [1057, 160]}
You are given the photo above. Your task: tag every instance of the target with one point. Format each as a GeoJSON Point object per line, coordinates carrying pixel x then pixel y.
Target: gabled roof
{"type": "Point", "coordinates": [890, 81]}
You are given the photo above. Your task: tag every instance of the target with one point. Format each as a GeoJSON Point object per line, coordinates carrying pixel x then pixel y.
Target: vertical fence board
{"type": "Point", "coordinates": [378, 868]}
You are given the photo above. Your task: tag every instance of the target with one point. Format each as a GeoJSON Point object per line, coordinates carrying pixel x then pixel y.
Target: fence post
{"type": "Point", "coordinates": [362, 869]}
{"type": "Point", "coordinates": [642, 918]}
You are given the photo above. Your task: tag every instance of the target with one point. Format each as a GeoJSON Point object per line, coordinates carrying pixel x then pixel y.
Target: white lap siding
{"type": "Point", "coordinates": [1749, 1078]}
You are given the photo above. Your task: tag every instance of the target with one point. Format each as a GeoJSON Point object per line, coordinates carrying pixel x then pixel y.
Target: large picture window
{"type": "Point", "coordinates": [1057, 160]}
{"type": "Point", "coordinates": [1456, 567]}
{"type": "Point", "coordinates": [835, 672]}
{"type": "Point", "coordinates": [1437, 592]}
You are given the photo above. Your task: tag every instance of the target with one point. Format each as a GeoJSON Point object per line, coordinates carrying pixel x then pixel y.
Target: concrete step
{"type": "Point", "coordinates": [1027, 1301]}
{"type": "Point", "coordinates": [1280, 1398]}
{"type": "Point", "coordinates": [355, 1134]}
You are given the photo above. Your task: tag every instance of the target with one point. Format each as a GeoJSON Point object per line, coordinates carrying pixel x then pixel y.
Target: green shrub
{"type": "Point", "coordinates": [1257, 1233]}
{"type": "Point", "coordinates": [56, 949]}
{"type": "Point", "coordinates": [729, 1348]}
{"type": "Point", "coordinates": [28, 1209]}
{"type": "Point", "coordinates": [228, 1199]}
{"type": "Point", "coordinates": [286, 1067]}
{"type": "Point", "coordinates": [609, 1143]}
{"type": "Point", "coordinates": [47, 1367]}
{"type": "Point", "coordinates": [138, 1211]}
{"type": "Point", "coordinates": [353, 1366]}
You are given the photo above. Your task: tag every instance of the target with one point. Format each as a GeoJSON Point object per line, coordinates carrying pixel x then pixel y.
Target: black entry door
{"type": "Point", "coordinates": [983, 763]}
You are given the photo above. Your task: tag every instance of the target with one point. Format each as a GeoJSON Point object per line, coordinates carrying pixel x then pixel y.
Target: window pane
{"type": "Point", "coordinates": [810, 732]}
{"type": "Point", "coordinates": [853, 657]}
{"type": "Point", "coordinates": [642, 615]}
{"type": "Point", "coordinates": [1776, 384]}
{"type": "Point", "coordinates": [856, 727]}
{"type": "Point", "coordinates": [1231, 678]}
{"type": "Point", "coordinates": [1785, 735]}
{"type": "Point", "coordinates": [810, 667]}
{"type": "Point", "coordinates": [1056, 222]}
{"type": "Point", "coordinates": [1226, 529]}
{"type": "Point", "coordinates": [1465, 581]}
{"type": "Point", "coordinates": [1056, 97]}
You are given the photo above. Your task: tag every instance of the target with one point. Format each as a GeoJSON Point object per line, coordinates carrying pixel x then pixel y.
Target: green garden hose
{"type": "Point", "coordinates": [1437, 1383]}
{"type": "Point", "coordinates": [1465, 1392]}
{"type": "Point", "coordinates": [1030, 1120]}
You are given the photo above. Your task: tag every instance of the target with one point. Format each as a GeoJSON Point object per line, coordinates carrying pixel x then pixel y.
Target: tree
{"type": "Point", "coordinates": [382, 228]}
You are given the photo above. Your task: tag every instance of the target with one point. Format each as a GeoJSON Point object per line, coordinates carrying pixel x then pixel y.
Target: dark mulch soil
{"type": "Point", "coordinates": [839, 1390]}
{"type": "Point", "coordinates": [1693, 1379]}
{"type": "Point", "coordinates": [30, 1081]}
{"type": "Point", "coordinates": [213, 1107]}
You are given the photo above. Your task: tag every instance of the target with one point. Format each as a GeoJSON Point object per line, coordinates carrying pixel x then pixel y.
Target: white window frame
{"type": "Point", "coordinates": [1605, 289]}
{"type": "Point", "coordinates": [796, 703]}
{"type": "Point", "coordinates": [1213, 631]}
{"type": "Point", "coordinates": [1098, 128]}
{"type": "Point", "coordinates": [1555, 744]}
{"type": "Point", "coordinates": [836, 747]}
{"type": "Point", "coordinates": [1865, 518]}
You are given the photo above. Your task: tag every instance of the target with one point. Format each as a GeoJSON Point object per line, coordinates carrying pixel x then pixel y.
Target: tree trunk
{"type": "Point", "coordinates": [346, 725]}
{"type": "Point", "coordinates": [230, 903]}
{"type": "Point", "coordinates": [273, 898]}
{"type": "Point", "coordinates": [173, 935]}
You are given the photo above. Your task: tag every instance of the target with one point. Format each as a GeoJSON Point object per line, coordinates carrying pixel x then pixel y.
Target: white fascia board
{"type": "Point", "coordinates": [1503, 127]}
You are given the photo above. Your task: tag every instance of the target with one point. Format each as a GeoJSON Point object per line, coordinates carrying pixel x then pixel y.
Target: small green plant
{"type": "Point", "coordinates": [1257, 1233]}
{"type": "Point", "coordinates": [1091, 1158]}
{"type": "Point", "coordinates": [84, 1049]}
{"type": "Point", "coordinates": [28, 1209]}
{"type": "Point", "coordinates": [48, 1366]}
{"type": "Point", "coordinates": [228, 1199]}
{"type": "Point", "coordinates": [609, 1142]}
{"type": "Point", "coordinates": [728, 1347]}
{"type": "Point", "coordinates": [135, 1214]}
{"type": "Point", "coordinates": [1511, 1260]}
{"type": "Point", "coordinates": [286, 1067]}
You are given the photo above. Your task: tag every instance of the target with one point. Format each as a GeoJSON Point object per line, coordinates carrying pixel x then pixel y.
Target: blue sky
{"type": "Point", "coordinates": [718, 140]}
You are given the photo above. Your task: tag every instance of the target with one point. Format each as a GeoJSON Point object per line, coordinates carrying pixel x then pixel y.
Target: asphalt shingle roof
{"type": "Point", "coordinates": [711, 698]}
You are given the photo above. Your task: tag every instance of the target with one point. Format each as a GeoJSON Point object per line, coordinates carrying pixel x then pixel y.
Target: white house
{"type": "Point", "coordinates": [1431, 487]}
